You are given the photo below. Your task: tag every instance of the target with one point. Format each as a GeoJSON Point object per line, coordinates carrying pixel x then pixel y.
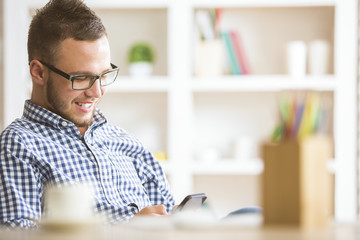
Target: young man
{"type": "Point", "coordinates": [62, 138]}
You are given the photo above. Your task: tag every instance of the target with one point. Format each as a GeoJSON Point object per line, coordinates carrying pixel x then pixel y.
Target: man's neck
{"type": "Point", "coordinates": [82, 130]}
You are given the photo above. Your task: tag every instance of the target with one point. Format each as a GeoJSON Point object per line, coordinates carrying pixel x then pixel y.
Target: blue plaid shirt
{"type": "Point", "coordinates": [43, 148]}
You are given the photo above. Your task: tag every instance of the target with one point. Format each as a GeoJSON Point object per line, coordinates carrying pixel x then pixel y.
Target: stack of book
{"type": "Point", "coordinates": [209, 26]}
{"type": "Point", "coordinates": [235, 52]}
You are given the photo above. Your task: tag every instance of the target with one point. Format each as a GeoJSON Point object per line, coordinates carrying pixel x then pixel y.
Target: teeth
{"type": "Point", "coordinates": [87, 105]}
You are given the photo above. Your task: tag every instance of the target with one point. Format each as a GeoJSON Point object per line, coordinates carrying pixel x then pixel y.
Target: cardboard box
{"type": "Point", "coordinates": [296, 182]}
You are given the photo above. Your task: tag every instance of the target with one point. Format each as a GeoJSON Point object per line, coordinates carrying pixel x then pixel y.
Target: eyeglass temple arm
{"type": "Point", "coordinates": [65, 75]}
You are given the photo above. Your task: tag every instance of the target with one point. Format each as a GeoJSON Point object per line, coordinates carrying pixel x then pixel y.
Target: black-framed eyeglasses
{"type": "Point", "coordinates": [85, 81]}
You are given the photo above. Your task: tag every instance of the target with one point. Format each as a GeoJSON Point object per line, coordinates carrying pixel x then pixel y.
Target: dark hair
{"type": "Point", "coordinates": [57, 21]}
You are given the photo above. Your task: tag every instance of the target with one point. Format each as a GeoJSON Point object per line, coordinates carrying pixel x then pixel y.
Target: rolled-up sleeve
{"type": "Point", "coordinates": [155, 182]}
{"type": "Point", "coordinates": [20, 203]}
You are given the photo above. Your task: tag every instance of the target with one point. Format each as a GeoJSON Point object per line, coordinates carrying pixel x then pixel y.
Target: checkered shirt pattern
{"type": "Point", "coordinates": [43, 148]}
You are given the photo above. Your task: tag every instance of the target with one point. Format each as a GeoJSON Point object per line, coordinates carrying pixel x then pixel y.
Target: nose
{"type": "Point", "coordinates": [95, 90]}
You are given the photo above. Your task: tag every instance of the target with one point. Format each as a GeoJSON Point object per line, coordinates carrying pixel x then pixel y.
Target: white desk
{"type": "Point", "coordinates": [211, 232]}
{"type": "Point", "coordinates": [338, 232]}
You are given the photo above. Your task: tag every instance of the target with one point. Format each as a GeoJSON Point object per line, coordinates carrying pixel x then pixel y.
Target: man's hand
{"type": "Point", "coordinates": [156, 210]}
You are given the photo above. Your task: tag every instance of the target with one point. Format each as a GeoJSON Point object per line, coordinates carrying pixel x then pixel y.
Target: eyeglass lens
{"type": "Point", "coordinates": [86, 81]}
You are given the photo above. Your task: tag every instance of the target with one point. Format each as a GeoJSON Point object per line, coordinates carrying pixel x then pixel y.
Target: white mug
{"type": "Point", "coordinates": [72, 203]}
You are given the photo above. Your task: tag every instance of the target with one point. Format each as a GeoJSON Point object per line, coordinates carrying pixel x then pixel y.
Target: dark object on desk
{"type": "Point", "coordinates": [192, 202]}
{"type": "Point", "coordinates": [245, 210]}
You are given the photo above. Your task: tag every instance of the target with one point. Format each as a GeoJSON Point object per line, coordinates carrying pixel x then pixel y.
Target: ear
{"type": "Point", "coordinates": [38, 72]}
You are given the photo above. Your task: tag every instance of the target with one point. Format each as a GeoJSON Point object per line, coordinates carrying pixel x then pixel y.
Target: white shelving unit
{"type": "Point", "coordinates": [181, 114]}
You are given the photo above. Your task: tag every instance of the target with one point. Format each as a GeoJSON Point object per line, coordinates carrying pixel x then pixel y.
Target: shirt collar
{"type": "Point", "coordinates": [38, 114]}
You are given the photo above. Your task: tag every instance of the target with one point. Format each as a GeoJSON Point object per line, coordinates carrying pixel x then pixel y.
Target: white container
{"type": "Point", "coordinates": [140, 69]}
{"type": "Point", "coordinates": [319, 57]}
{"type": "Point", "coordinates": [296, 58]}
{"type": "Point", "coordinates": [68, 204]}
{"type": "Point", "coordinates": [209, 58]}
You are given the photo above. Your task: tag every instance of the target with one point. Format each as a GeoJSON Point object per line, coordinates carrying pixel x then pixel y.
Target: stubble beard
{"type": "Point", "coordinates": [58, 106]}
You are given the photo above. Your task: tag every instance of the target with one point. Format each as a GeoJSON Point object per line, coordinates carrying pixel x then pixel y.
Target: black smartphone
{"type": "Point", "coordinates": [191, 202]}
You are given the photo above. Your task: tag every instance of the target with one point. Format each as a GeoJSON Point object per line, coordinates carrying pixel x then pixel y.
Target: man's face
{"type": "Point", "coordinates": [77, 57]}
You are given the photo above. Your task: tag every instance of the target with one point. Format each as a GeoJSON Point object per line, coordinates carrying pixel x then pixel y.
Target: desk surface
{"type": "Point", "coordinates": [350, 231]}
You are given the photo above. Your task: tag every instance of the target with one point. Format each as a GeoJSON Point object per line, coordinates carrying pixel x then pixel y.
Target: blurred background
{"type": "Point", "coordinates": [204, 84]}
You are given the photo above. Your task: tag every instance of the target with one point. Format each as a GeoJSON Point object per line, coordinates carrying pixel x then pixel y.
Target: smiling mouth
{"type": "Point", "coordinates": [85, 105]}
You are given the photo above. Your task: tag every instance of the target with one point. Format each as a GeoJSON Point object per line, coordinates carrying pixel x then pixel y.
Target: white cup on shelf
{"type": "Point", "coordinates": [319, 57]}
{"type": "Point", "coordinates": [296, 58]}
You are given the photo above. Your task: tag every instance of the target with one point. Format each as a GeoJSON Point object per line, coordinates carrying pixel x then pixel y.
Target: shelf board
{"type": "Point", "coordinates": [229, 167]}
{"type": "Point", "coordinates": [262, 3]}
{"type": "Point", "coordinates": [220, 167]}
{"type": "Point", "coordinates": [248, 83]}
{"type": "Point", "coordinates": [128, 4]}
{"type": "Point", "coordinates": [198, 3]}
{"type": "Point", "coordinates": [134, 84]}
{"type": "Point", "coordinates": [113, 4]}
{"type": "Point", "coordinates": [259, 83]}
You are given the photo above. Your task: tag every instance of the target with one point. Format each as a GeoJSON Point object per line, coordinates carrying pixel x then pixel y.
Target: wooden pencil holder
{"type": "Point", "coordinates": [296, 182]}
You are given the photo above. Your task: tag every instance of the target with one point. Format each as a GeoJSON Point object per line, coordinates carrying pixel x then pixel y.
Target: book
{"type": "Point", "coordinates": [239, 51]}
{"type": "Point", "coordinates": [231, 53]}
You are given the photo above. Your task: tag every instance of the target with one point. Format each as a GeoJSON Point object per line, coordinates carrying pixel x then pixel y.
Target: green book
{"type": "Point", "coordinates": [231, 53]}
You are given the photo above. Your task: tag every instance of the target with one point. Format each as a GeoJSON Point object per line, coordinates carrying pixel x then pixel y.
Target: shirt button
{"type": "Point", "coordinates": [64, 124]}
{"type": "Point", "coordinates": [105, 171]}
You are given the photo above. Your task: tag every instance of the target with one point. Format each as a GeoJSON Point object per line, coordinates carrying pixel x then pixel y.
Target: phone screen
{"type": "Point", "coordinates": [192, 202]}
